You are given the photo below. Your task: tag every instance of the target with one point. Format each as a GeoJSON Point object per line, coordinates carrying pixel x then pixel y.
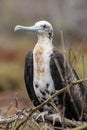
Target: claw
{"type": "Point", "coordinates": [42, 115]}
{"type": "Point", "coordinates": [56, 116]}
{"type": "Point", "coordinates": [34, 120]}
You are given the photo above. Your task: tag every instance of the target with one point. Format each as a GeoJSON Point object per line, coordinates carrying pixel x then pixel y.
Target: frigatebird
{"type": "Point", "coordinates": [43, 78]}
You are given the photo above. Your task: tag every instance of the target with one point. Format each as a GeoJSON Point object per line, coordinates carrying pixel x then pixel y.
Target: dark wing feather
{"type": "Point", "coordinates": [58, 82]}
{"type": "Point", "coordinates": [57, 71]}
{"type": "Point", "coordinates": [76, 93]}
{"type": "Point", "coordinates": [28, 76]}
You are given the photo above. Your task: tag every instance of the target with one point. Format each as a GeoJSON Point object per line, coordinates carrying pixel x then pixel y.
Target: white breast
{"type": "Point", "coordinates": [43, 83]}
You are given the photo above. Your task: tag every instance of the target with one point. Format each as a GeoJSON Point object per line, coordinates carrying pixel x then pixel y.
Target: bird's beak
{"type": "Point", "coordinates": [24, 28]}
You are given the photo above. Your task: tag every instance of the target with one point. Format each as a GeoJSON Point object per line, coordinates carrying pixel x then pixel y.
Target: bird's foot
{"type": "Point", "coordinates": [33, 117]}
{"type": "Point", "coordinates": [55, 116]}
{"type": "Point", "coordinates": [42, 115]}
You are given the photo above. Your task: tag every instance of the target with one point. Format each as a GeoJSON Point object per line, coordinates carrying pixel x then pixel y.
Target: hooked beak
{"type": "Point", "coordinates": [24, 28]}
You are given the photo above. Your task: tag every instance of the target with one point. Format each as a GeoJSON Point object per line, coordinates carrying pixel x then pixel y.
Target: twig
{"type": "Point", "coordinates": [79, 81]}
{"type": "Point", "coordinates": [67, 122]}
{"type": "Point", "coordinates": [83, 66]}
{"type": "Point", "coordinates": [49, 99]}
{"type": "Point", "coordinates": [26, 113]}
{"type": "Point", "coordinates": [9, 107]}
{"type": "Point", "coordinates": [8, 119]}
{"type": "Point", "coordinates": [59, 69]}
{"type": "Point", "coordinates": [62, 41]}
{"type": "Point", "coordinates": [82, 127]}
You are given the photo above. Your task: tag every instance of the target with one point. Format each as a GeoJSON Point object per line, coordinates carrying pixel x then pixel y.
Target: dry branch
{"type": "Point", "coordinates": [48, 100]}
{"type": "Point", "coordinates": [25, 114]}
{"type": "Point", "coordinates": [82, 127]}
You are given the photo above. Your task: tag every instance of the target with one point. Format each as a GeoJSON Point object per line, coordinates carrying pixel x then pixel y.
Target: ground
{"type": "Point", "coordinates": [8, 103]}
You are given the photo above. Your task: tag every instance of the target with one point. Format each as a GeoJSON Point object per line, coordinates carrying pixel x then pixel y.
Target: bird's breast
{"type": "Point", "coordinates": [43, 82]}
{"type": "Point", "coordinates": [39, 61]}
{"type": "Point", "coordinates": [41, 58]}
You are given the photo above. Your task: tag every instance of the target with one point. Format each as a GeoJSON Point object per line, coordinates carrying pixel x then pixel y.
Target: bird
{"type": "Point", "coordinates": [43, 76]}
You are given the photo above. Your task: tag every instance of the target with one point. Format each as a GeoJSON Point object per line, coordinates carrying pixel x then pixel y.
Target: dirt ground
{"type": "Point", "coordinates": [10, 101]}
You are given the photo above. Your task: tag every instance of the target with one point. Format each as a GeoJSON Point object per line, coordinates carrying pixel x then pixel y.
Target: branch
{"type": "Point", "coordinates": [20, 115]}
{"type": "Point", "coordinates": [83, 127]}
{"type": "Point", "coordinates": [56, 94]}
{"type": "Point", "coordinates": [49, 99]}
{"type": "Point", "coordinates": [8, 120]}
{"type": "Point", "coordinates": [67, 122]}
{"type": "Point", "coordinates": [25, 114]}
{"type": "Point", "coordinates": [79, 81]}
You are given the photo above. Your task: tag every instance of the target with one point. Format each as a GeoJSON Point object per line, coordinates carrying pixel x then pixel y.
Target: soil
{"type": "Point", "coordinates": [10, 101]}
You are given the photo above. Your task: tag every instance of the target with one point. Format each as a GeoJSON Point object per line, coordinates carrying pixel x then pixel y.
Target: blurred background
{"type": "Point", "coordinates": [70, 16]}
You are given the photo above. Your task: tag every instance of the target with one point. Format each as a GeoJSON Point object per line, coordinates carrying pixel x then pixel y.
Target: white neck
{"type": "Point", "coordinates": [44, 40]}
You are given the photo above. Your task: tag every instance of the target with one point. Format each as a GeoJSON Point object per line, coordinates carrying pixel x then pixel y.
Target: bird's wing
{"type": "Point", "coordinates": [61, 71]}
{"type": "Point", "coordinates": [57, 69]}
{"type": "Point", "coordinates": [28, 77]}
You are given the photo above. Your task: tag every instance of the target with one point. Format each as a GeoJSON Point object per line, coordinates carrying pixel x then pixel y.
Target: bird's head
{"type": "Point", "coordinates": [43, 28]}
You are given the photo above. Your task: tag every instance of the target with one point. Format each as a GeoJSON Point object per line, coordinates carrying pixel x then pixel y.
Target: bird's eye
{"type": "Point", "coordinates": [44, 26]}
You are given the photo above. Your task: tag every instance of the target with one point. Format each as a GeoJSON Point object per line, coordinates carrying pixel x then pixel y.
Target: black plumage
{"type": "Point", "coordinates": [77, 93]}
{"type": "Point", "coordinates": [46, 70]}
{"type": "Point", "coordinates": [28, 76]}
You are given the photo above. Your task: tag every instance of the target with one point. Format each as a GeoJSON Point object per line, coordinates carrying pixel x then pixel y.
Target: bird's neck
{"type": "Point", "coordinates": [43, 40]}
{"type": "Point", "coordinates": [44, 45]}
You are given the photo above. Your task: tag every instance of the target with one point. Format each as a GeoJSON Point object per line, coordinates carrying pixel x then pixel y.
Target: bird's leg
{"type": "Point", "coordinates": [42, 115]}
{"type": "Point", "coordinates": [55, 116]}
{"type": "Point", "coordinates": [36, 116]}
{"type": "Point", "coordinates": [34, 120]}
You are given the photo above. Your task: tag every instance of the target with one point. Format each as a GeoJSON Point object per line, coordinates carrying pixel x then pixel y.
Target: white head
{"type": "Point", "coordinates": [43, 28]}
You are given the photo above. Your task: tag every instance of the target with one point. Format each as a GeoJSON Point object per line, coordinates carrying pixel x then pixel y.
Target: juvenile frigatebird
{"type": "Point", "coordinates": [43, 78]}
